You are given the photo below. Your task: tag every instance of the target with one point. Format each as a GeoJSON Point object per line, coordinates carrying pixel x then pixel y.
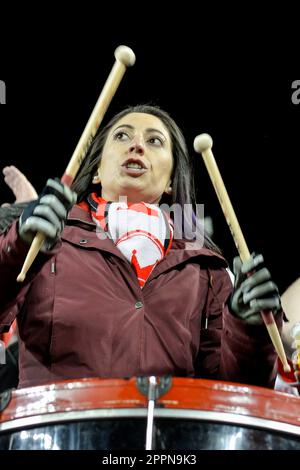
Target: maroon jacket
{"type": "Point", "coordinates": [82, 313]}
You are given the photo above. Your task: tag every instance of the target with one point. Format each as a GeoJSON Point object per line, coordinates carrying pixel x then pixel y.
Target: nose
{"type": "Point", "coordinates": [137, 146]}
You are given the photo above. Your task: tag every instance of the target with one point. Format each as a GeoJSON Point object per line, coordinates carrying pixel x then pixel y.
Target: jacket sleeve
{"type": "Point", "coordinates": [13, 252]}
{"type": "Point", "coordinates": [230, 349]}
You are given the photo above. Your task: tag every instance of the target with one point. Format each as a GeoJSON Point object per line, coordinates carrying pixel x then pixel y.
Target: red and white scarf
{"type": "Point", "coordinates": [142, 232]}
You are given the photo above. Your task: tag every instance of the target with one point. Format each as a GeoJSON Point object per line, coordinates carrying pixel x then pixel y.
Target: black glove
{"type": "Point", "coordinates": [47, 214]}
{"type": "Point", "coordinates": [254, 293]}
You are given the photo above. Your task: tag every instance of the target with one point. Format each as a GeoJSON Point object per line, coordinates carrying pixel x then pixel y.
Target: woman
{"type": "Point", "coordinates": [117, 291]}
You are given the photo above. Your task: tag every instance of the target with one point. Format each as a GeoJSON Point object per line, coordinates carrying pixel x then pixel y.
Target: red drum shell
{"type": "Point", "coordinates": [187, 399]}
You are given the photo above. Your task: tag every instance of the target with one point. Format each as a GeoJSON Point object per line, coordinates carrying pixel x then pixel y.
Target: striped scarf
{"type": "Point", "coordinates": [142, 232]}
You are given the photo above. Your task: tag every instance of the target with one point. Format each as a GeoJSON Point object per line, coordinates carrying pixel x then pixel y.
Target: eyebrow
{"type": "Point", "coordinates": [149, 129]}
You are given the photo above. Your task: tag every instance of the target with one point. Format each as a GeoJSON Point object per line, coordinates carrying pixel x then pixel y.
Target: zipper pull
{"type": "Point", "coordinates": [210, 284]}
{"type": "Point", "coordinates": [53, 267]}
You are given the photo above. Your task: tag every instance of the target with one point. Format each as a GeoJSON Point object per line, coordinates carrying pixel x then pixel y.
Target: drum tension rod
{"type": "Point", "coordinates": [153, 388]}
{"type": "Point", "coordinates": [163, 385]}
{"type": "Point", "coordinates": [150, 413]}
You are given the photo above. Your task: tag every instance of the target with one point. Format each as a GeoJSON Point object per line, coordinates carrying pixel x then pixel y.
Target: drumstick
{"type": "Point", "coordinates": [124, 58]}
{"type": "Point", "coordinates": [203, 144]}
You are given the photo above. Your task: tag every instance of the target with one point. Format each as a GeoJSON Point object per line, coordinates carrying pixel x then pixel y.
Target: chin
{"type": "Point", "coordinates": [132, 192]}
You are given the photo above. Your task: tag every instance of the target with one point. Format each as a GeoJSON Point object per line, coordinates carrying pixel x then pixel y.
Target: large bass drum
{"type": "Point", "coordinates": [112, 414]}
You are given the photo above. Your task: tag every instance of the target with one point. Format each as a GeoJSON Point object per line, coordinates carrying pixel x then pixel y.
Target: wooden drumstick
{"type": "Point", "coordinates": [124, 58]}
{"type": "Point", "coordinates": [203, 144]}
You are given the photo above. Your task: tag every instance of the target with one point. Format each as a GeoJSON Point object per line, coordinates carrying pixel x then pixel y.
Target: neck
{"type": "Point", "coordinates": [128, 198]}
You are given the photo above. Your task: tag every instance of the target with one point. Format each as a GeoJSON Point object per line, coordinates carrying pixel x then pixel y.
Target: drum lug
{"type": "Point", "coordinates": [5, 398]}
{"type": "Point", "coordinates": [164, 384]}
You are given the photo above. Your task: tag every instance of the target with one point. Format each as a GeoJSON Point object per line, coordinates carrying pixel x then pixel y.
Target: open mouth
{"type": "Point", "coordinates": [134, 167]}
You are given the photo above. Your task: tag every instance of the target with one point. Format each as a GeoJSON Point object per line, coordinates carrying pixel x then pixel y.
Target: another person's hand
{"type": "Point", "coordinates": [254, 293]}
{"type": "Point", "coordinates": [48, 213]}
{"type": "Point", "coordinates": [19, 184]}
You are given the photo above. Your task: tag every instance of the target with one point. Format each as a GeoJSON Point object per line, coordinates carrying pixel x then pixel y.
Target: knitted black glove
{"type": "Point", "coordinates": [47, 214]}
{"type": "Point", "coordinates": [254, 293]}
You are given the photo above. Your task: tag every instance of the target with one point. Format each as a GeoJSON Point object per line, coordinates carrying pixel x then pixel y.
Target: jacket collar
{"type": "Point", "coordinates": [86, 234]}
{"type": "Point", "coordinates": [180, 252]}
{"type": "Point", "coordinates": [80, 215]}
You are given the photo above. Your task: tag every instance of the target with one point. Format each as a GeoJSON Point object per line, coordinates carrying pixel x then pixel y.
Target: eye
{"type": "Point", "coordinates": [121, 135]}
{"type": "Point", "coordinates": [157, 141]}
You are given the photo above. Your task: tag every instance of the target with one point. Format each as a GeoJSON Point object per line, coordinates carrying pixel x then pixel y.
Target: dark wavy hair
{"type": "Point", "coordinates": [183, 191]}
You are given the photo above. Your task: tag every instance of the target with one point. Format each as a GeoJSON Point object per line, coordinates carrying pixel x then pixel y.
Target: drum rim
{"type": "Point", "coordinates": [20, 424]}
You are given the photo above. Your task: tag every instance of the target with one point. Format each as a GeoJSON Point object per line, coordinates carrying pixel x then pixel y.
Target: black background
{"type": "Point", "coordinates": [55, 70]}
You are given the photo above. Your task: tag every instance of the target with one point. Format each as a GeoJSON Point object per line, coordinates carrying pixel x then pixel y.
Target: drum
{"type": "Point", "coordinates": [112, 414]}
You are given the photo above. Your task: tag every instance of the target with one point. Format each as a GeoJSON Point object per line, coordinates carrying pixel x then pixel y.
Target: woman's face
{"type": "Point", "coordinates": [136, 160]}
